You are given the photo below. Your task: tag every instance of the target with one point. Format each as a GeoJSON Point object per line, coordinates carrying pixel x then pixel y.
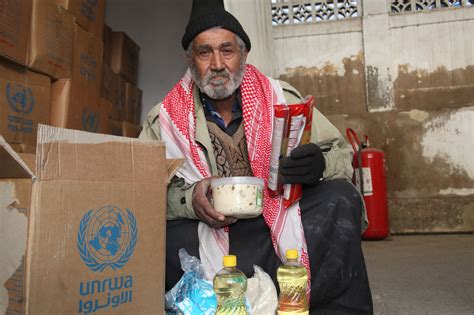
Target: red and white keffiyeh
{"type": "Point", "coordinates": [177, 121]}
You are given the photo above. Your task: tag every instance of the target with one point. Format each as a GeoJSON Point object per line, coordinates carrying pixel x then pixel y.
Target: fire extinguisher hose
{"type": "Point", "coordinates": [353, 140]}
{"type": "Point", "coordinates": [361, 173]}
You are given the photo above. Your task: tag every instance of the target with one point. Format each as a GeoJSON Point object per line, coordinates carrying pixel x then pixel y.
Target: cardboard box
{"type": "Point", "coordinates": [118, 98]}
{"type": "Point", "coordinates": [108, 84]}
{"type": "Point", "coordinates": [75, 102]}
{"type": "Point", "coordinates": [25, 101]}
{"type": "Point", "coordinates": [130, 130]}
{"type": "Point", "coordinates": [113, 90]}
{"type": "Point", "coordinates": [90, 14]}
{"type": "Point", "coordinates": [102, 115]}
{"type": "Point", "coordinates": [133, 103]}
{"type": "Point", "coordinates": [105, 108]}
{"type": "Point", "coordinates": [116, 127]}
{"type": "Point", "coordinates": [95, 231]}
{"type": "Point", "coordinates": [52, 33]}
{"type": "Point", "coordinates": [15, 25]}
{"type": "Point", "coordinates": [124, 129]}
{"type": "Point", "coordinates": [107, 39]}
{"type": "Point", "coordinates": [125, 57]}
{"type": "Point", "coordinates": [138, 109]}
{"type": "Point", "coordinates": [118, 111]}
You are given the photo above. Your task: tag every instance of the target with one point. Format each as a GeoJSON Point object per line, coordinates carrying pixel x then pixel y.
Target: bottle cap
{"type": "Point", "coordinates": [291, 254]}
{"type": "Point", "coordinates": [230, 261]}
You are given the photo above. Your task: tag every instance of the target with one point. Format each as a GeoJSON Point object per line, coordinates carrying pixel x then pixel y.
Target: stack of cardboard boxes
{"type": "Point", "coordinates": [58, 67]}
{"type": "Point", "coordinates": [119, 82]}
{"type": "Point", "coordinates": [51, 72]}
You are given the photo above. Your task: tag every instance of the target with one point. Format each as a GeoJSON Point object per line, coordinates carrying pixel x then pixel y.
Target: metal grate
{"type": "Point", "coordinates": [286, 12]}
{"type": "Point", "coordinates": [402, 6]}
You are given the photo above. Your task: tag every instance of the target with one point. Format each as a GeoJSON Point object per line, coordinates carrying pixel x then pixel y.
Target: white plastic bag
{"type": "Point", "coordinates": [261, 293]}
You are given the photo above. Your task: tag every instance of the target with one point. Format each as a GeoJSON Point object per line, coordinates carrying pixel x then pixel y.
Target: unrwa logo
{"type": "Point", "coordinates": [90, 120]}
{"type": "Point", "coordinates": [107, 238]}
{"type": "Point", "coordinates": [20, 98]}
{"type": "Point", "coordinates": [88, 9]}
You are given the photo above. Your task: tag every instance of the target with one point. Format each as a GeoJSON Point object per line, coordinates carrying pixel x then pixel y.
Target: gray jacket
{"type": "Point", "coordinates": [323, 133]}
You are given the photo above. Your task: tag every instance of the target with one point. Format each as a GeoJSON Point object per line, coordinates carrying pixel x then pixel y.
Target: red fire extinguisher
{"type": "Point", "coordinates": [369, 177]}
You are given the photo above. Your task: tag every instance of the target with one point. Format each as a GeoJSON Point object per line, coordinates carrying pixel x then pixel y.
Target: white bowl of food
{"type": "Point", "coordinates": [240, 196]}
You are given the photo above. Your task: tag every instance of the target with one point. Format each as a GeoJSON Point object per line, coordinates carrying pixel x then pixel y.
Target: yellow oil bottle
{"type": "Point", "coordinates": [230, 285]}
{"type": "Point", "coordinates": [293, 280]}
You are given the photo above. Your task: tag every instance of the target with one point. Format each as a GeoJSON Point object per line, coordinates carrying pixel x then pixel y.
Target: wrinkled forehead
{"type": "Point", "coordinates": [215, 37]}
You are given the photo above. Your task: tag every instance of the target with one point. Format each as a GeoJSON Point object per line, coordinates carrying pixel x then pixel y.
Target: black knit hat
{"type": "Point", "coordinates": [206, 14]}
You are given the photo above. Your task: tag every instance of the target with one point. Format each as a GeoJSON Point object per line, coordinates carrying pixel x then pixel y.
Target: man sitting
{"type": "Point", "coordinates": [219, 118]}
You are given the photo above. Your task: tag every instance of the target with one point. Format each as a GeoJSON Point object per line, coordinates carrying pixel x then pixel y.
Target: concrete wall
{"type": "Point", "coordinates": [157, 27]}
{"type": "Point", "coordinates": [257, 22]}
{"type": "Point", "coordinates": [407, 81]}
{"type": "Point", "coordinates": [325, 60]}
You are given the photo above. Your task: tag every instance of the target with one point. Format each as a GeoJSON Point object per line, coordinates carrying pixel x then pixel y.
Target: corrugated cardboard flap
{"type": "Point", "coordinates": [12, 165]}
{"type": "Point", "coordinates": [78, 155]}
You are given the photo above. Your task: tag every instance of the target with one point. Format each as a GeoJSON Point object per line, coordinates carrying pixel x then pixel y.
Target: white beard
{"type": "Point", "coordinates": [219, 89]}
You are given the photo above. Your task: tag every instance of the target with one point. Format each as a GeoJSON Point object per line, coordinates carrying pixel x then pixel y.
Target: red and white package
{"type": "Point", "coordinates": [279, 137]}
{"type": "Point", "coordinates": [291, 128]}
{"type": "Point", "coordinates": [299, 132]}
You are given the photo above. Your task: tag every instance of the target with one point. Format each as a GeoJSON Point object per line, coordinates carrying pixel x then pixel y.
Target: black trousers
{"type": "Point", "coordinates": [331, 217]}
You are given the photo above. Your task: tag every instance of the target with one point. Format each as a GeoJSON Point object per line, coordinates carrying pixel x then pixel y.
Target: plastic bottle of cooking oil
{"type": "Point", "coordinates": [293, 280]}
{"type": "Point", "coordinates": [230, 285]}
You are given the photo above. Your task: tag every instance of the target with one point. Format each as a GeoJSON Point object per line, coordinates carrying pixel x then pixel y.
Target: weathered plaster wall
{"type": "Point", "coordinates": [429, 166]}
{"type": "Point", "coordinates": [325, 61]}
{"type": "Point", "coordinates": [433, 58]}
{"type": "Point", "coordinates": [415, 102]}
{"type": "Point", "coordinates": [335, 93]}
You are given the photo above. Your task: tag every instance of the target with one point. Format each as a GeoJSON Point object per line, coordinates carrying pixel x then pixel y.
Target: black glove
{"type": "Point", "coordinates": [305, 165]}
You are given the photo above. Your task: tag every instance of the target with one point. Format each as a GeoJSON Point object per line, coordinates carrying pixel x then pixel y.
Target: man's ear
{"type": "Point", "coordinates": [189, 60]}
{"type": "Point", "coordinates": [189, 53]}
{"type": "Point", "coordinates": [245, 53]}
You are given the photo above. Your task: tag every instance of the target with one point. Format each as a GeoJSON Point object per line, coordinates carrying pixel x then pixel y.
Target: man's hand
{"type": "Point", "coordinates": [305, 165]}
{"type": "Point", "coordinates": [204, 209]}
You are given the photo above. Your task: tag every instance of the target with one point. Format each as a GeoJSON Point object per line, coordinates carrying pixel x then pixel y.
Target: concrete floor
{"type": "Point", "coordinates": [422, 274]}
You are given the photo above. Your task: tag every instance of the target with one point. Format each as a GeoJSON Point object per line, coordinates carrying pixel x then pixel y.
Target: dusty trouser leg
{"type": "Point", "coordinates": [331, 217]}
{"type": "Point", "coordinates": [249, 240]}
{"type": "Point", "coordinates": [181, 233]}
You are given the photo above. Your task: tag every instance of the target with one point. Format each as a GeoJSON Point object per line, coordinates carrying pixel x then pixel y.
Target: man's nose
{"type": "Point", "coordinates": [216, 61]}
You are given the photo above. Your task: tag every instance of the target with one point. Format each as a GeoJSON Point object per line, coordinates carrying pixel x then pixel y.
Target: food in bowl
{"type": "Point", "coordinates": [239, 196]}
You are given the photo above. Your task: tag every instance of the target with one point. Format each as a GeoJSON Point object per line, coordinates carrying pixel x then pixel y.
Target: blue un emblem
{"type": "Point", "coordinates": [107, 238]}
{"type": "Point", "coordinates": [90, 120]}
{"type": "Point", "coordinates": [20, 98]}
